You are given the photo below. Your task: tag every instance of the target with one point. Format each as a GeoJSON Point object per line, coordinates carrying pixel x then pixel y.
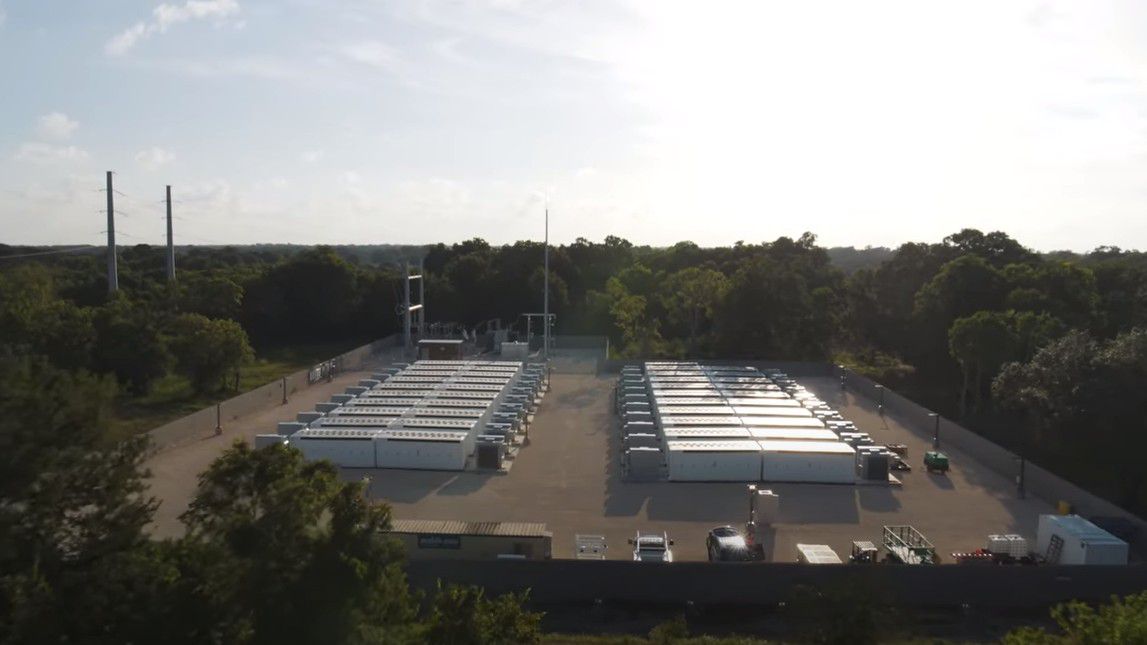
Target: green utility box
{"type": "Point", "coordinates": [935, 461]}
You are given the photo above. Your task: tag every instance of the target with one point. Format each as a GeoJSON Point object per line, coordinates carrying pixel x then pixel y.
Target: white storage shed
{"type": "Point", "coordinates": [736, 461]}
{"type": "Point", "coordinates": [1080, 541]}
{"type": "Point", "coordinates": [346, 447]}
{"type": "Point", "coordinates": [423, 450]}
{"type": "Point", "coordinates": [821, 462]}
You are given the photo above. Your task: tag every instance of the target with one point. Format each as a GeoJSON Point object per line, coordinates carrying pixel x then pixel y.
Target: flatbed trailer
{"type": "Point", "coordinates": [907, 545]}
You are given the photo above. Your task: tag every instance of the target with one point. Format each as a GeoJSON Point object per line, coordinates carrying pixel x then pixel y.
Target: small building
{"type": "Point", "coordinates": [440, 349]}
{"type": "Point", "coordinates": [1070, 539]}
{"type": "Point", "coordinates": [456, 540]}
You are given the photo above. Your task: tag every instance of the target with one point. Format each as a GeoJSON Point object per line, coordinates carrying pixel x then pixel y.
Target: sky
{"type": "Point", "coordinates": [395, 121]}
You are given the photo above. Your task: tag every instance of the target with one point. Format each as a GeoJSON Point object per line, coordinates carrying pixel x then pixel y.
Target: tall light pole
{"type": "Point", "coordinates": [546, 290]}
{"type": "Point", "coordinates": [113, 270]}
{"type": "Point", "coordinates": [171, 246]}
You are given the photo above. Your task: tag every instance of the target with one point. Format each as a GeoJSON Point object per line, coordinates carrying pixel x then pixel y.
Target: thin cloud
{"type": "Point", "coordinates": [372, 53]}
{"type": "Point", "coordinates": [47, 154]}
{"type": "Point", "coordinates": [165, 16]}
{"type": "Point", "coordinates": [56, 126]}
{"type": "Point", "coordinates": [154, 157]}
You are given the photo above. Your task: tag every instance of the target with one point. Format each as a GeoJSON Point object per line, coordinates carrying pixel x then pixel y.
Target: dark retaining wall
{"type": "Point", "coordinates": [985, 586]}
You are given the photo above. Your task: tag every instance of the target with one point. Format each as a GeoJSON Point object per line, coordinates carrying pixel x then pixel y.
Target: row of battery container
{"type": "Point", "coordinates": [426, 415]}
{"type": "Point", "coordinates": [686, 421]}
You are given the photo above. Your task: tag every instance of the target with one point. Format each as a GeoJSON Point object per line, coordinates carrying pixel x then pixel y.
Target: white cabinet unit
{"type": "Point", "coordinates": [346, 448]}
{"type": "Point", "coordinates": [736, 461]}
{"type": "Point", "coordinates": [824, 462]}
{"type": "Point", "coordinates": [422, 450]}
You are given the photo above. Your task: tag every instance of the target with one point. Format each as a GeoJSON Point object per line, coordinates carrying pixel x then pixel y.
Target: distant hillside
{"type": "Point", "coordinates": [851, 259]}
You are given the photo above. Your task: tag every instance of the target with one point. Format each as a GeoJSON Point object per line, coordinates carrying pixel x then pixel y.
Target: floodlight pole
{"type": "Point", "coordinates": [935, 431]}
{"type": "Point", "coordinates": [546, 291]}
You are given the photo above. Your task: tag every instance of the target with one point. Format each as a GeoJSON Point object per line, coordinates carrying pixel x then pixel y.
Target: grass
{"type": "Point", "coordinates": [171, 397]}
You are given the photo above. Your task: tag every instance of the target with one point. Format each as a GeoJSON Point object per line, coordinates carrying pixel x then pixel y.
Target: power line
{"type": "Point", "coordinates": [39, 253]}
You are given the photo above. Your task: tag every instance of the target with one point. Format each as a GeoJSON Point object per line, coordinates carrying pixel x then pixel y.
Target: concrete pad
{"type": "Point", "coordinates": [569, 477]}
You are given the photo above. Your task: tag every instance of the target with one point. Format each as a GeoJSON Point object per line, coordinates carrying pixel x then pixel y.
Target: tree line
{"type": "Point", "coordinates": [970, 326]}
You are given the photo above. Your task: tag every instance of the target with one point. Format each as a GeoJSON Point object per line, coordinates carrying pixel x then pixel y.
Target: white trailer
{"type": "Point", "coordinates": [736, 461]}
{"type": "Point", "coordinates": [349, 448]}
{"type": "Point", "coordinates": [821, 462]}
{"type": "Point", "coordinates": [422, 450]}
{"type": "Point", "coordinates": [1070, 539]}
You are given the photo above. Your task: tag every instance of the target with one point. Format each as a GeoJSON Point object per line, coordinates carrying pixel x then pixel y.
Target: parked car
{"type": "Point", "coordinates": [652, 547]}
{"type": "Point", "coordinates": [727, 544]}
{"type": "Point", "coordinates": [900, 465]}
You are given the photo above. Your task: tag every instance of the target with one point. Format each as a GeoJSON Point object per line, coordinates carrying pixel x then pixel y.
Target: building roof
{"type": "Point", "coordinates": [792, 434]}
{"type": "Point", "coordinates": [733, 445]}
{"type": "Point", "coordinates": [1083, 529]}
{"type": "Point", "coordinates": [823, 447]}
{"type": "Point", "coordinates": [456, 527]}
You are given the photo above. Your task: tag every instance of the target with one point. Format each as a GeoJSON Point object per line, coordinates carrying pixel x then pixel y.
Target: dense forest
{"type": "Point", "coordinates": [1043, 353]}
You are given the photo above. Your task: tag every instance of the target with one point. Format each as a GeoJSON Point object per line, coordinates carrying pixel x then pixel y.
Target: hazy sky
{"type": "Point", "coordinates": [385, 121]}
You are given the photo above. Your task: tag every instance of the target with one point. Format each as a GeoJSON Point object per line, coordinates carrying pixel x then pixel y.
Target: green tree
{"type": "Point", "coordinates": [1079, 401]}
{"type": "Point", "coordinates": [465, 616]}
{"type": "Point", "coordinates": [692, 296]}
{"type": "Point", "coordinates": [287, 534]}
{"type": "Point", "coordinates": [210, 294]}
{"type": "Point", "coordinates": [73, 556]}
{"type": "Point", "coordinates": [961, 288]}
{"type": "Point", "coordinates": [128, 344]}
{"type": "Point", "coordinates": [207, 351]}
{"type": "Point", "coordinates": [770, 311]}
{"type": "Point", "coordinates": [996, 247]}
{"type": "Point", "coordinates": [1119, 622]}
{"type": "Point", "coordinates": [981, 343]}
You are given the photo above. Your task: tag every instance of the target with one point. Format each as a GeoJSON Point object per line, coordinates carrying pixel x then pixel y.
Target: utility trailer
{"type": "Point", "coordinates": [907, 545]}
